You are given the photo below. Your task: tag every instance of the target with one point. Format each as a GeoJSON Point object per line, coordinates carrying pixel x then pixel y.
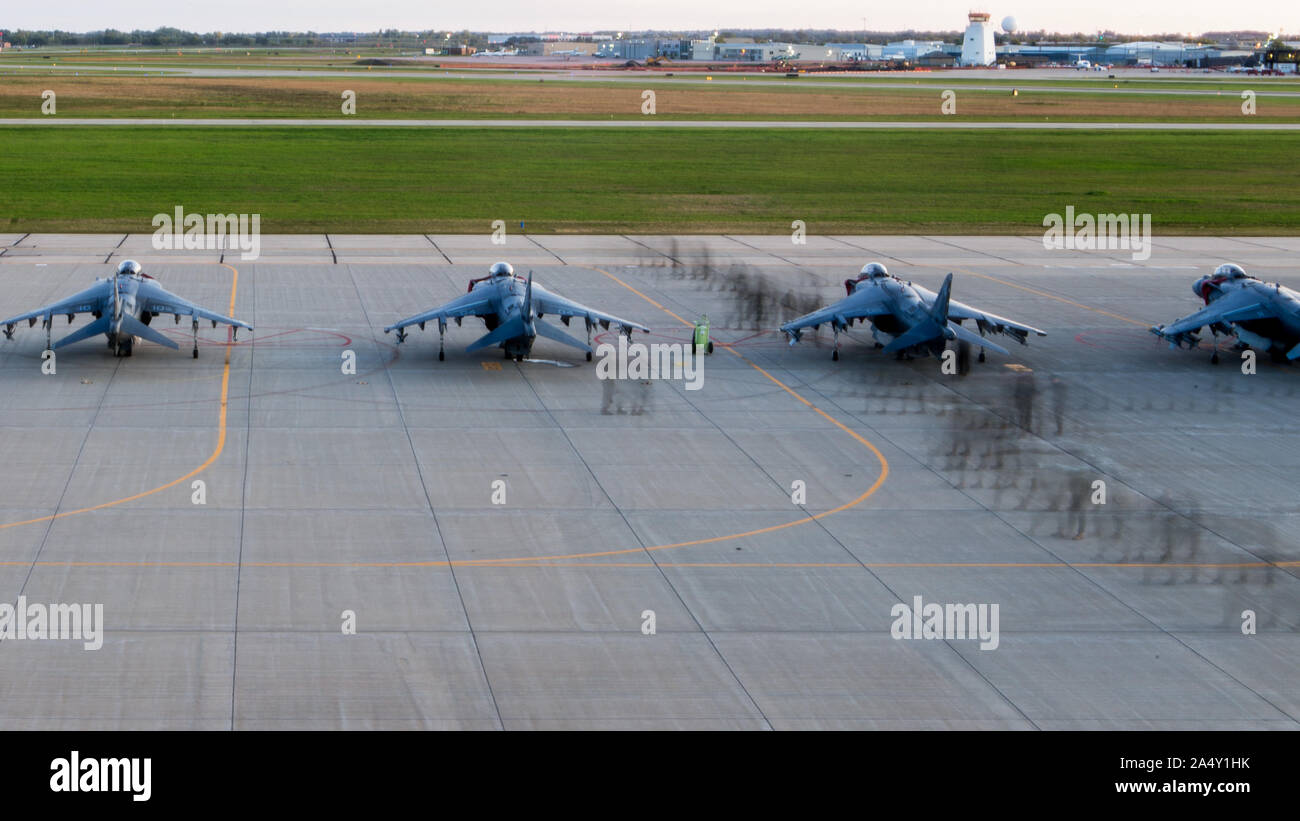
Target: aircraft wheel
{"type": "Point", "coordinates": [710, 348]}
{"type": "Point", "coordinates": [1214, 358]}
{"type": "Point", "coordinates": [519, 357]}
{"type": "Point", "coordinates": [588, 356]}
{"type": "Point", "coordinates": [442, 357]}
{"type": "Point", "coordinates": [981, 357]}
{"type": "Point", "coordinates": [196, 353]}
{"type": "Point", "coordinates": [835, 356]}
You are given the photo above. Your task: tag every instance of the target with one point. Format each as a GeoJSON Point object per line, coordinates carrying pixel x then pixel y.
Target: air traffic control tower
{"type": "Point", "coordinates": [977, 46]}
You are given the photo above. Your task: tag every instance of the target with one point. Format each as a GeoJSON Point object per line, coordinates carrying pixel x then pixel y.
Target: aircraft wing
{"type": "Point", "coordinates": [156, 299]}
{"type": "Point", "coordinates": [865, 303]}
{"type": "Point", "coordinates": [94, 298]}
{"type": "Point", "coordinates": [958, 311]}
{"type": "Point", "coordinates": [545, 302]}
{"type": "Point", "coordinates": [1237, 306]}
{"type": "Point", "coordinates": [475, 303]}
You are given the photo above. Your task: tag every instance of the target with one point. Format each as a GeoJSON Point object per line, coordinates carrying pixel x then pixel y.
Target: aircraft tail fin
{"type": "Point", "coordinates": [552, 332]}
{"type": "Point", "coordinates": [922, 331]}
{"type": "Point", "coordinates": [99, 326]}
{"type": "Point", "coordinates": [939, 310]}
{"type": "Point", "coordinates": [507, 330]}
{"type": "Point", "coordinates": [135, 327]}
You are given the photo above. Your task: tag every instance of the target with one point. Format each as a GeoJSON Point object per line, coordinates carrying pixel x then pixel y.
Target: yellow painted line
{"type": "Point", "coordinates": [646, 298]}
{"type": "Point", "coordinates": [1055, 297]}
{"type": "Point", "coordinates": [567, 560]}
{"type": "Point", "coordinates": [216, 452]}
{"type": "Point", "coordinates": [880, 480]}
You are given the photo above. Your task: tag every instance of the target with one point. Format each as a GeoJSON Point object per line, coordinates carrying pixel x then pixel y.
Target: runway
{"type": "Point", "coordinates": [374, 492]}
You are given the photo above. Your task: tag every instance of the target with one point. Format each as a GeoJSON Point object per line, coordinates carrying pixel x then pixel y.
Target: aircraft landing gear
{"type": "Point", "coordinates": [519, 357]}
{"type": "Point", "coordinates": [1214, 358]}
{"type": "Point", "coordinates": [588, 356]}
{"type": "Point", "coordinates": [981, 356]}
{"type": "Point", "coordinates": [195, 327]}
{"type": "Point", "coordinates": [835, 356]}
{"type": "Point", "coordinates": [442, 331]}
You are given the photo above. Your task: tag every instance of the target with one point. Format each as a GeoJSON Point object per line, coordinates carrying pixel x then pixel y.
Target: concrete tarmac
{"type": "Point", "coordinates": [506, 534]}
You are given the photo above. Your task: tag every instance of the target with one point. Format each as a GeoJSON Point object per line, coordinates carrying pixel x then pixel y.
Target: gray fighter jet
{"type": "Point", "coordinates": [1262, 315]}
{"type": "Point", "coordinates": [512, 308]}
{"type": "Point", "coordinates": [907, 318]}
{"type": "Point", "coordinates": [122, 305]}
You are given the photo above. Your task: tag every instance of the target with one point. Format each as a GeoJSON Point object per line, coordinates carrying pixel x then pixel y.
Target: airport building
{"type": "Point", "coordinates": [622, 48]}
{"type": "Point", "coordinates": [757, 52]}
{"type": "Point", "coordinates": [1144, 53]}
{"type": "Point", "coordinates": [547, 48]}
{"type": "Point", "coordinates": [977, 46]}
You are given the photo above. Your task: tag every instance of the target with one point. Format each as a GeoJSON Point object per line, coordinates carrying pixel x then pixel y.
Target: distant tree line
{"type": "Point", "coordinates": [168, 37]}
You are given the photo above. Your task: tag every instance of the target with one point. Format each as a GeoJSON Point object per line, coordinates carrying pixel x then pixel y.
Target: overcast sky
{"type": "Point", "coordinates": [590, 15]}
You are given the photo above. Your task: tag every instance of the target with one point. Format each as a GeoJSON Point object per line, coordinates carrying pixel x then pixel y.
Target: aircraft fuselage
{"type": "Point", "coordinates": [906, 311]}
{"type": "Point", "coordinates": [1279, 333]}
{"type": "Point", "coordinates": [509, 294]}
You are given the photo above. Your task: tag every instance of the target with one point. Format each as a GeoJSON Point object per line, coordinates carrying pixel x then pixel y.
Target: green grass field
{"type": "Point", "coordinates": [679, 181]}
